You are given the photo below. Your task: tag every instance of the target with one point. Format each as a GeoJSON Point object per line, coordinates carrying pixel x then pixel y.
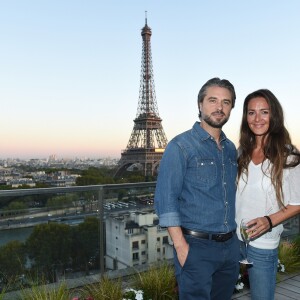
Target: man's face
{"type": "Point", "coordinates": [216, 107]}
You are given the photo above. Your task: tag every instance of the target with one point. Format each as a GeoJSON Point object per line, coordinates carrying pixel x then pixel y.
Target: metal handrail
{"type": "Point", "coordinates": [23, 192]}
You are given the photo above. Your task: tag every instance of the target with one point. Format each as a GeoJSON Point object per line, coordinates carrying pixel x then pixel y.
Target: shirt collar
{"type": "Point", "coordinates": [204, 135]}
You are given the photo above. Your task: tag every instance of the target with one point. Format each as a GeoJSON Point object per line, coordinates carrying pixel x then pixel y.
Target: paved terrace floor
{"type": "Point", "coordinates": [288, 287]}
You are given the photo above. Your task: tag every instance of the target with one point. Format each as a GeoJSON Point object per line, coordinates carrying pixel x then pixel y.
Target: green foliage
{"type": "Point", "coordinates": [2, 293]}
{"type": "Point", "coordinates": [39, 185]}
{"type": "Point", "coordinates": [23, 187]}
{"type": "Point", "coordinates": [50, 244]}
{"type": "Point", "coordinates": [12, 259]}
{"type": "Point", "coordinates": [121, 194]}
{"type": "Point", "coordinates": [85, 242]}
{"type": "Point", "coordinates": [52, 247]}
{"type": "Point", "coordinates": [133, 176]}
{"type": "Point", "coordinates": [62, 201]}
{"type": "Point", "coordinates": [105, 289]}
{"type": "Point", "coordinates": [46, 292]}
{"type": "Point", "coordinates": [289, 256]}
{"type": "Point", "coordinates": [16, 205]}
{"type": "Point", "coordinates": [297, 242]}
{"type": "Point", "coordinates": [6, 187]}
{"type": "Point", "coordinates": [94, 176]}
{"type": "Point", "coordinates": [158, 283]}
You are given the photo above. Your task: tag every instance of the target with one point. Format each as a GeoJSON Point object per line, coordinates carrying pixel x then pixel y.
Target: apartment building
{"type": "Point", "coordinates": [135, 238]}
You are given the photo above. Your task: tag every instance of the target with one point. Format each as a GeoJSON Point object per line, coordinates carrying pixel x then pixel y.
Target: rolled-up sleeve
{"type": "Point", "coordinates": [169, 185]}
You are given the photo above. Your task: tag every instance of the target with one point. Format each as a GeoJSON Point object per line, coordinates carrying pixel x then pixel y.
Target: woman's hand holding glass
{"type": "Point", "coordinates": [246, 238]}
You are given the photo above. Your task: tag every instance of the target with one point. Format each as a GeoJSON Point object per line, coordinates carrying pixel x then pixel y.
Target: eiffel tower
{"type": "Point", "coordinates": [148, 140]}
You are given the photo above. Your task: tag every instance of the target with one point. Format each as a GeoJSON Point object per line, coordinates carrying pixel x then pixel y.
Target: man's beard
{"type": "Point", "coordinates": [214, 124]}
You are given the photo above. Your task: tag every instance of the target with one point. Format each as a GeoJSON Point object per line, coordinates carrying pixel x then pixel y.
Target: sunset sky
{"type": "Point", "coordinates": [70, 69]}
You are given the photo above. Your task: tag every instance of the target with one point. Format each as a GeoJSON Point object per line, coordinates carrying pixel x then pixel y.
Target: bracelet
{"type": "Point", "coordinates": [270, 223]}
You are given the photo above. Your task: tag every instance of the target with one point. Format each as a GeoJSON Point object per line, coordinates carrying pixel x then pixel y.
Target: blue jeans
{"type": "Point", "coordinates": [262, 274]}
{"type": "Point", "coordinates": [210, 270]}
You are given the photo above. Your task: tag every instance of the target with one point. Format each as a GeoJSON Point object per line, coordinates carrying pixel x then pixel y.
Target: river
{"type": "Point", "coordinates": [19, 234]}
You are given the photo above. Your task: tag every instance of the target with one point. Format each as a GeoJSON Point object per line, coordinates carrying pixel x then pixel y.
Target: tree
{"type": "Point", "coordinates": [12, 259]}
{"type": "Point", "coordinates": [62, 201]}
{"type": "Point", "coordinates": [49, 245]}
{"type": "Point", "coordinates": [93, 176]}
{"type": "Point", "coordinates": [16, 205]}
{"type": "Point", "coordinates": [132, 176]}
{"type": "Point", "coordinates": [86, 242]}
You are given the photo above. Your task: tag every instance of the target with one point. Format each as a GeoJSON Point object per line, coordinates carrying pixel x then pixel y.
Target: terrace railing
{"type": "Point", "coordinates": [22, 210]}
{"type": "Point", "coordinates": [80, 251]}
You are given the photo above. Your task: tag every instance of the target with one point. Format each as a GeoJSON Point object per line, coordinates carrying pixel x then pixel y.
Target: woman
{"type": "Point", "coordinates": [268, 191]}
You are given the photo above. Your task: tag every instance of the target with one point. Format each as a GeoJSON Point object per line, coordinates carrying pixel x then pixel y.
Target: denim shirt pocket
{"type": "Point", "coordinates": [202, 171]}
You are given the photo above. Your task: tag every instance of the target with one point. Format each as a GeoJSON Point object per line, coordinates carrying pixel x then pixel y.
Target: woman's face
{"type": "Point", "coordinates": [258, 116]}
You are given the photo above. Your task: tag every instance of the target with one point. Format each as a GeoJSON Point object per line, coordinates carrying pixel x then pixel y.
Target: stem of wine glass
{"type": "Point", "coordinates": [246, 247]}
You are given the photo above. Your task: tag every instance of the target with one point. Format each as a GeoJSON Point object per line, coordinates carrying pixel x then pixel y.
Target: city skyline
{"type": "Point", "coordinates": [70, 71]}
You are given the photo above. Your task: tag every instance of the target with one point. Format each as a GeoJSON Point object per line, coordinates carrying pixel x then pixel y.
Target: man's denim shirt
{"type": "Point", "coordinates": [196, 183]}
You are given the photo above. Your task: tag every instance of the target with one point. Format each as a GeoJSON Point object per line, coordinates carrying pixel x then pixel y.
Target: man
{"type": "Point", "coordinates": [195, 199]}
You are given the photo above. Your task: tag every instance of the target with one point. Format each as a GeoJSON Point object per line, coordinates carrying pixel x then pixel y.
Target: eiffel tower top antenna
{"type": "Point", "coordinates": [148, 140]}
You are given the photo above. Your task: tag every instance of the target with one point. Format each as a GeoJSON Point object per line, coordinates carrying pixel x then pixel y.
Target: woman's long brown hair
{"type": "Point", "coordinates": [277, 145]}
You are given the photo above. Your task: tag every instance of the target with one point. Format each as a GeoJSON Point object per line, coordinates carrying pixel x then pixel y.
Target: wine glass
{"type": "Point", "coordinates": [246, 239]}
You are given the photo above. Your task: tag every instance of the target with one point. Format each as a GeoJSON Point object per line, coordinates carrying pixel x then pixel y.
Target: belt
{"type": "Point", "coordinates": [218, 237]}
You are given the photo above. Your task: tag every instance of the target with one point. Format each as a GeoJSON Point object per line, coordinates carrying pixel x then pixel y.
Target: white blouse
{"type": "Point", "coordinates": [257, 198]}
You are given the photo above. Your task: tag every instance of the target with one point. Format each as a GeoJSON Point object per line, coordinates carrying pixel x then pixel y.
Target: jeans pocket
{"type": "Point", "coordinates": [186, 263]}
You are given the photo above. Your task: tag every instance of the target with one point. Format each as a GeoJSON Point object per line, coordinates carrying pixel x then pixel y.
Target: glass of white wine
{"type": "Point", "coordinates": [246, 239]}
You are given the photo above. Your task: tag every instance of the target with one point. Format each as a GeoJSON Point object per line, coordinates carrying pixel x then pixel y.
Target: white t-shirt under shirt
{"type": "Point", "coordinates": [256, 197]}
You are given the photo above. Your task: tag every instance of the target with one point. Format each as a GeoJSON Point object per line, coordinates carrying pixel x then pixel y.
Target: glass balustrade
{"type": "Point", "coordinates": [52, 234]}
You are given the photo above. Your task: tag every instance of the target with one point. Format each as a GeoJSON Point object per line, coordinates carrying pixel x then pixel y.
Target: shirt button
{"type": "Point", "coordinates": [225, 223]}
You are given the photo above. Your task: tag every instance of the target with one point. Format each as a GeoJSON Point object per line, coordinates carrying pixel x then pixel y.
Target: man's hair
{"type": "Point", "coordinates": [216, 82]}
